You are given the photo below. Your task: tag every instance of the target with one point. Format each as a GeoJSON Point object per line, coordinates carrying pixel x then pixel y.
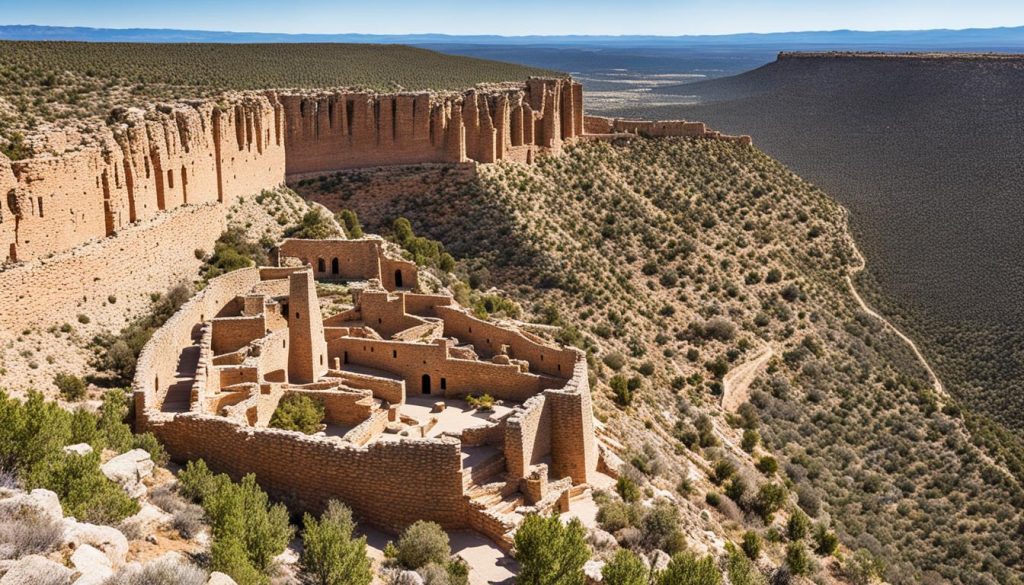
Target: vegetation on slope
{"type": "Point", "coordinates": [671, 262]}
{"type": "Point", "coordinates": [47, 81]}
{"type": "Point", "coordinates": [925, 153]}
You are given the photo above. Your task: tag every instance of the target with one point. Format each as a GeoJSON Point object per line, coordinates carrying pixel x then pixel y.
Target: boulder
{"type": "Point", "coordinates": [658, 559]}
{"type": "Point", "coordinates": [129, 469]}
{"type": "Point", "coordinates": [109, 540]}
{"type": "Point", "coordinates": [602, 540]}
{"type": "Point", "coordinates": [43, 503]}
{"type": "Point", "coordinates": [147, 520]}
{"type": "Point", "coordinates": [79, 449]}
{"type": "Point", "coordinates": [220, 579]}
{"type": "Point", "coordinates": [408, 578]}
{"type": "Point", "coordinates": [592, 571]}
{"type": "Point", "coordinates": [37, 570]}
{"type": "Point", "coordinates": [94, 566]}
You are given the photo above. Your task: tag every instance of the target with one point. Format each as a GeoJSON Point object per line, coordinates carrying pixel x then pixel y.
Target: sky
{"type": "Point", "coordinates": [520, 17]}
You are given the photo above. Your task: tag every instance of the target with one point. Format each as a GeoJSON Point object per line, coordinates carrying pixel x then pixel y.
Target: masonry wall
{"type": "Point", "coordinates": [343, 130]}
{"type": "Point", "coordinates": [363, 259]}
{"type": "Point", "coordinates": [598, 126]}
{"type": "Point", "coordinates": [528, 436]}
{"type": "Point", "coordinates": [141, 163]}
{"type": "Point", "coordinates": [412, 361]}
{"type": "Point", "coordinates": [488, 339]}
{"type": "Point", "coordinates": [384, 482]}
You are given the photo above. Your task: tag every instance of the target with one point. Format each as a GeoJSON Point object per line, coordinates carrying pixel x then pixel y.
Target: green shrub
{"type": "Point", "coordinates": [71, 387]}
{"type": "Point", "coordinates": [330, 554]}
{"type": "Point", "coordinates": [740, 568]}
{"type": "Point", "coordinates": [614, 360]}
{"type": "Point", "coordinates": [620, 388]}
{"type": "Point", "coordinates": [750, 440]}
{"type": "Point", "coordinates": [31, 431]}
{"type": "Point", "coordinates": [482, 402]}
{"type": "Point", "coordinates": [770, 498]}
{"type": "Point", "coordinates": [298, 412]}
{"type": "Point", "coordinates": [723, 470]}
{"type": "Point", "coordinates": [797, 525]}
{"type": "Point", "coordinates": [625, 568]}
{"type": "Point", "coordinates": [614, 515]}
{"type": "Point", "coordinates": [551, 552]}
{"type": "Point", "coordinates": [826, 542]}
{"type": "Point", "coordinates": [421, 544]}
{"type": "Point", "coordinates": [627, 488]}
{"type": "Point", "coordinates": [687, 568]}
{"type": "Point", "coordinates": [796, 558]}
{"type": "Point", "coordinates": [314, 225]}
{"type": "Point", "coordinates": [660, 528]}
{"type": "Point", "coordinates": [350, 223]}
{"type": "Point", "coordinates": [751, 544]}
{"type": "Point", "coordinates": [767, 465]}
{"type": "Point", "coordinates": [84, 491]}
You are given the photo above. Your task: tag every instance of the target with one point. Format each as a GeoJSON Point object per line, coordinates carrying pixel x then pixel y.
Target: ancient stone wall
{"type": "Point", "coordinates": [528, 436]}
{"type": "Point", "coordinates": [383, 482]}
{"type": "Point", "coordinates": [488, 339]}
{"type": "Point", "coordinates": [344, 130]}
{"type": "Point", "coordinates": [233, 333]}
{"type": "Point", "coordinates": [601, 127]}
{"type": "Point", "coordinates": [141, 163]}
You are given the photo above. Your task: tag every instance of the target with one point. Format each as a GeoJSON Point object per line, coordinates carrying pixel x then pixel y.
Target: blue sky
{"type": "Point", "coordinates": [519, 17]}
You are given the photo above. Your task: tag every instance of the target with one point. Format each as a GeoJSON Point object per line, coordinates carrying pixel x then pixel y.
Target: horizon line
{"type": "Point", "coordinates": [501, 36]}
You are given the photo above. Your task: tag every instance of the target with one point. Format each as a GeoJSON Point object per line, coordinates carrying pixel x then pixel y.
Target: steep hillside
{"type": "Point", "coordinates": [925, 151]}
{"type": "Point", "coordinates": [678, 265]}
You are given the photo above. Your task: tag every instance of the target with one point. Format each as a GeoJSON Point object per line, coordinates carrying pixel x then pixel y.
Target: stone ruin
{"type": "Point", "coordinates": [401, 443]}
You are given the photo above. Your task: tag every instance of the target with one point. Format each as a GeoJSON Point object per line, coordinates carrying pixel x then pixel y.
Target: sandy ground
{"type": "Point", "coordinates": [736, 384]}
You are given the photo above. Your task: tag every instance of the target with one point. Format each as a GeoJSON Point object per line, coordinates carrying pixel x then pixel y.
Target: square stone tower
{"type": "Point", "coordinates": [307, 349]}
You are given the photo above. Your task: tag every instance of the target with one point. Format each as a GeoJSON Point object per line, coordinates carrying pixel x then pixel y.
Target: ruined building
{"type": "Point", "coordinates": [400, 442]}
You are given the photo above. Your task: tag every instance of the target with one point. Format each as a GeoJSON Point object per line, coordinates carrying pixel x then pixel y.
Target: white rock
{"type": "Point", "coordinates": [34, 570]}
{"type": "Point", "coordinates": [408, 578]}
{"type": "Point", "coordinates": [94, 566]}
{"type": "Point", "coordinates": [148, 518]}
{"type": "Point", "coordinates": [659, 559]}
{"type": "Point", "coordinates": [42, 502]}
{"type": "Point", "coordinates": [592, 571]}
{"type": "Point", "coordinates": [108, 540]}
{"type": "Point", "coordinates": [79, 449]}
{"type": "Point", "coordinates": [602, 540]}
{"type": "Point", "coordinates": [220, 579]}
{"type": "Point", "coordinates": [129, 469]}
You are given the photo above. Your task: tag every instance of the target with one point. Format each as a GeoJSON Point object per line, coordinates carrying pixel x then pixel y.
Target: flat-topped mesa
{"type": "Point", "coordinates": [343, 130]}
{"type": "Point", "coordinates": [911, 55]}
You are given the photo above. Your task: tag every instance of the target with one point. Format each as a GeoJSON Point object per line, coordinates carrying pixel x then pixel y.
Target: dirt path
{"type": "Point", "coordinates": [936, 382]}
{"type": "Point", "coordinates": [736, 384]}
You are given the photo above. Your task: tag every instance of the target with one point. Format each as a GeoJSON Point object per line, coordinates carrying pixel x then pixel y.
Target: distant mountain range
{"type": "Point", "coordinates": [1009, 38]}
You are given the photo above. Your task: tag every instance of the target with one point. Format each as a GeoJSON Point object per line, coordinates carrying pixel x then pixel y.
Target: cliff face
{"type": "Point", "coordinates": [336, 131]}
{"type": "Point", "coordinates": [141, 163]}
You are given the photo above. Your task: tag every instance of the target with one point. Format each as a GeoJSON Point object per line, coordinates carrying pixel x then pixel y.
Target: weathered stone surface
{"type": "Point", "coordinates": [408, 578]}
{"type": "Point", "coordinates": [658, 559]}
{"type": "Point", "coordinates": [129, 470]}
{"type": "Point", "coordinates": [148, 518]}
{"type": "Point", "coordinates": [592, 571]}
{"type": "Point", "coordinates": [42, 502]}
{"type": "Point", "coordinates": [217, 578]}
{"type": "Point", "coordinates": [105, 538]}
{"type": "Point", "coordinates": [37, 570]}
{"type": "Point", "coordinates": [79, 449]}
{"type": "Point", "coordinates": [94, 566]}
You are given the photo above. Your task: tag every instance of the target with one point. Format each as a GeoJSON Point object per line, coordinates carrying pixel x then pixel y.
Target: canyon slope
{"type": "Point", "coordinates": [924, 150]}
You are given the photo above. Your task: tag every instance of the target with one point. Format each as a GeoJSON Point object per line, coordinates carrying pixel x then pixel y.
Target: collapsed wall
{"type": "Point", "coordinates": [601, 127]}
{"type": "Point", "coordinates": [335, 131]}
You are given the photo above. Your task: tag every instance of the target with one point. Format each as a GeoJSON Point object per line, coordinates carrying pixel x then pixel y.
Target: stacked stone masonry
{"type": "Point", "coordinates": [386, 449]}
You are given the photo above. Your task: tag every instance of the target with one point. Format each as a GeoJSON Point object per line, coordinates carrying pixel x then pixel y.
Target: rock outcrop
{"type": "Point", "coordinates": [129, 470]}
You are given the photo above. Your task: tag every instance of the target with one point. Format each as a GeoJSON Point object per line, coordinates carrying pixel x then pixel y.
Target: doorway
{"type": "Point", "coordinates": [426, 383]}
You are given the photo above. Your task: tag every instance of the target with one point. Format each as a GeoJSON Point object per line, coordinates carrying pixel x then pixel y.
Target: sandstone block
{"type": "Point", "coordinates": [41, 502]}
{"type": "Point", "coordinates": [109, 540]}
{"type": "Point", "coordinates": [129, 469]}
{"type": "Point", "coordinates": [35, 569]}
{"type": "Point", "coordinates": [94, 566]}
{"type": "Point", "coordinates": [217, 578]}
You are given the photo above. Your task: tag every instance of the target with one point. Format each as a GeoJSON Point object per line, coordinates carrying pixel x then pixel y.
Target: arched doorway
{"type": "Point", "coordinates": [320, 266]}
{"type": "Point", "coordinates": [398, 279]}
{"type": "Point", "coordinates": [334, 266]}
{"type": "Point", "coordinates": [426, 383]}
